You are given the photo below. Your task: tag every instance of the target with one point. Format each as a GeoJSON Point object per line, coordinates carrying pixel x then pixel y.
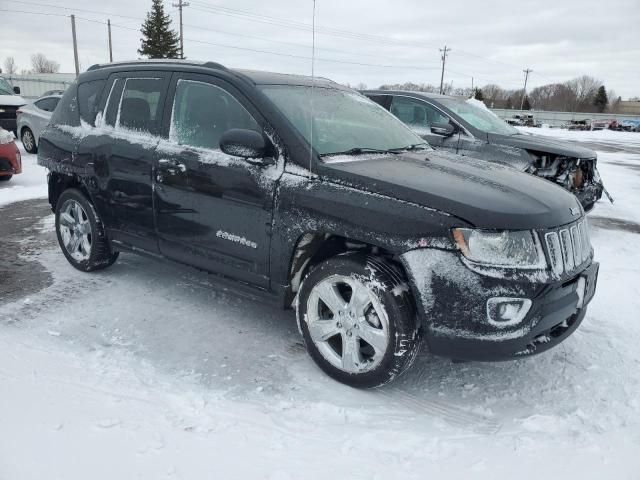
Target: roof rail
{"type": "Point", "coordinates": [152, 61]}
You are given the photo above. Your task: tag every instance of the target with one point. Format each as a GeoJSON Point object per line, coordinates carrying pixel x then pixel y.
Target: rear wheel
{"type": "Point", "coordinates": [80, 233]}
{"type": "Point", "coordinates": [28, 140]}
{"type": "Point", "coordinates": [5, 178]}
{"type": "Point", "coordinates": [357, 320]}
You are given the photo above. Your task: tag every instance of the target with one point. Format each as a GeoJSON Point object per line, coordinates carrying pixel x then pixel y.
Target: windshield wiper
{"type": "Point", "coordinates": [360, 151]}
{"type": "Point", "coordinates": [412, 147]}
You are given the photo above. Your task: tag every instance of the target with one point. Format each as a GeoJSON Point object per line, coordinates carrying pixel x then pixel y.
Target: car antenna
{"type": "Point", "coordinates": [313, 82]}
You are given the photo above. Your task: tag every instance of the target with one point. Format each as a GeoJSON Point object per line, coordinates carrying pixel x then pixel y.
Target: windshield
{"type": "Point", "coordinates": [343, 121]}
{"type": "Point", "coordinates": [480, 118]}
{"type": "Point", "coordinates": [5, 87]}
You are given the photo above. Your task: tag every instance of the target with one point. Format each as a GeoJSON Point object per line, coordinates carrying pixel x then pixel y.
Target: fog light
{"type": "Point", "coordinates": [506, 311]}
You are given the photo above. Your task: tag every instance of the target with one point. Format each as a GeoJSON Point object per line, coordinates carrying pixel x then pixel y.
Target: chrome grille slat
{"type": "Point", "coordinates": [569, 247]}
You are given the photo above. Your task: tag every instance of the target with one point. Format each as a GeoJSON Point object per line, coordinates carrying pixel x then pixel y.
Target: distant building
{"type": "Point", "coordinates": [629, 107]}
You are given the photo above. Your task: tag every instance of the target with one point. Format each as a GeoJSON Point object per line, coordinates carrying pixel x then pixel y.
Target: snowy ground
{"type": "Point", "coordinates": [148, 370]}
{"type": "Point", "coordinates": [32, 183]}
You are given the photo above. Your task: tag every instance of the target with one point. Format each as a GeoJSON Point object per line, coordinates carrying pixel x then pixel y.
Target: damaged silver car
{"type": "Point", "coordinates": [467, 128]}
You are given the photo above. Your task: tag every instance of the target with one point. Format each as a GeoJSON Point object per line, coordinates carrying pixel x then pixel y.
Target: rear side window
{"type": "Point", "coordinates": [416, 114]}
{"type": "Point", "coordinates": [140, 105]}
{"type": "Point", "coordinates": [203, 112]}
{"type": "Point", "coordinates": [67, 111]}
{"type": "Point", "coordinates": [47, 104]}
{"type": "Point", "coordinates": [88, 99]}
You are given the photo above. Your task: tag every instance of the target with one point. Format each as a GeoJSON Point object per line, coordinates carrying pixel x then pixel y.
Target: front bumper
{"type": "Point", "coordinates": [453, 315]}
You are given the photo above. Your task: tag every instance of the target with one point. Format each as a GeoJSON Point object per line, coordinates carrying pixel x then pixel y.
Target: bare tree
{"type": "Point", "coordinates": [42, 64]}
{"type": "Point", "coordinates": [10, 66]}
{"type": "Point", "coordinates": [361, 86]}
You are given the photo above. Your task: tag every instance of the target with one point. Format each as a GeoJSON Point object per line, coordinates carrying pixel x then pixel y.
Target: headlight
{"type": "Point", "coordinates": [515, 249]}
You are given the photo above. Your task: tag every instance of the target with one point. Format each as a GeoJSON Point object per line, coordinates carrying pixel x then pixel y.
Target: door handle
{"type": "Point", "coordinates": [172, 165]}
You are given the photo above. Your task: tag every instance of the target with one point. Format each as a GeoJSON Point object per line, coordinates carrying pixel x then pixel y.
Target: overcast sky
{"type": "Point", "coordinates": [491, 40]}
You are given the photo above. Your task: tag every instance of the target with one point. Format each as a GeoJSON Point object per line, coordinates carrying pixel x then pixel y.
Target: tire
{"type": "Point", "coordinates": [81, 234]}
{"type": "Point", "coordinates": [5, 178]}
{"type": "Point", "coordinates": [28, 140]}
{"type": "Point", "coordinates": [380, 312]}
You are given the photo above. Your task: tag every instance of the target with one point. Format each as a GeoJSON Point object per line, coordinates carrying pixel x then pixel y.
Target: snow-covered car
{"type": "Point", "coordinates": [32, 119]}
{"type": "Point", "coordinates": [606, 124]}
{"type": "Point", "coordinates": [10, 101]}
{"type": "Point", "coordinates": [306, 194]}
{"type": "Point", "coordinates": [468, 128]}
{"type": "Point", "coordinates": [630, 125]}
{"type": "Point", "coordinates": [10, 161]}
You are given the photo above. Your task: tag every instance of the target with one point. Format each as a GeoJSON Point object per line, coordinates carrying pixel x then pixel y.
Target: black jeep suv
{"type": "Point", "coordinates": [308, 194]}
{"type": "Point", "coordinates": [467, 128]}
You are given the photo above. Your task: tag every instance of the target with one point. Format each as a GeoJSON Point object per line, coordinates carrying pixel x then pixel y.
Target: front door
{"type": "Point", "coordinates": [213, 210]}
{"type": "Point", "coordinates": [419, 116]}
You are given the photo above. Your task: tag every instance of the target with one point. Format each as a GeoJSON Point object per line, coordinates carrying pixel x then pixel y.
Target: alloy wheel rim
{"type": "Point", "coordinates": [347, 323]}
{"type": "Point", "coordinates": [75, 230]}
{"type": "Point", "coordinates": [28, 140]}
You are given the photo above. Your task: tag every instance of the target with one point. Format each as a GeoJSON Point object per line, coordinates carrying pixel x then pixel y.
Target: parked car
{"type": "Point", "coordinates": [330, 206]}
{"type": "Point", "coordinates": [10, 101]}
{"type": "Point", "coordinates": [580, 125]}
{"type": "Point", "coordinates": [606, 124]}
{"type": "Point", "coordinates": [630, 125]}
{"type": "Point", "coordinates": [467, 128]}
{"type": "Point", "coordinates": [10, 161]}
{"type": "Point", "coordinates": [33, 118]}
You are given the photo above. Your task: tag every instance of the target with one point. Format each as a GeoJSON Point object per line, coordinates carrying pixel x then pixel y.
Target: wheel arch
{"type": "Point", "coordinates": [59, 182]}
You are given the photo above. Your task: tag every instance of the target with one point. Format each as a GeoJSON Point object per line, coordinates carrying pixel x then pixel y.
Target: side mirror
{"type": "Point", "coordinates": [445, 129]}
{"type": "Point", "coordinates": [244, 143]}
{"type": "Point", "coordinates": [16, 90]}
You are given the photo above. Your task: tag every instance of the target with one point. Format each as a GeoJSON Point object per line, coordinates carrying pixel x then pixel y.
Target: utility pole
{"type": "Point", "coordinates": [524, 92]}
{"type": "Point", "coordinates": [180, 5]}
{"type": "Point", "coordinates": [472, 90]}
{"type": "Point", "coordinates": [75, 44]}
{"type": "Point", "coordinates": [110, 47]}
{"type": "Point", "coordinates": [444, 59]}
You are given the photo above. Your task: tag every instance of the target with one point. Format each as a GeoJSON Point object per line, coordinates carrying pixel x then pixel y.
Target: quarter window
{"type": "Point", "coordinates": [47, 104]}
{"type": "Point", "coordinates": [203, 112]}
{"type": "Point", "coordinates": [139, 105]}
{"type": "Point", "coordinates": [418, 115]}
{"type": "Point", "coordinates": [88, 98]}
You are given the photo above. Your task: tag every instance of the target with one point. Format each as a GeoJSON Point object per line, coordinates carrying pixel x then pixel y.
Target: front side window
{"type": "Point", "coordinates": [481, 118]}
{"type": "Point", "coordinates": [202, 112]}
{"type": "Point", "coordinates": [418, 115]}
{"type": "Point", "coordinates": [334, 120]}
{"type": "Point", "coordinates": [88, 98]}
{"type": "Point", "coordinates": [139, 105]}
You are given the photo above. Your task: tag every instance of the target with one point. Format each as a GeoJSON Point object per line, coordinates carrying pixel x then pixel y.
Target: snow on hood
{"type": "Point", "coordinates": [12, 100]}
{"type": "Point", "coordinates": [6, 137]}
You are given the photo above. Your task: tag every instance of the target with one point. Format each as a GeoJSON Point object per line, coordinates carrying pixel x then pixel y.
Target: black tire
{"type": "Point", "coordinates": [387, 284]}
{"type": "Point", "coordinates": [33, 148]}
{"type": "Point", "coordinates": [100, 256]}
{"type": "Point", "coordinates": [5, 178]}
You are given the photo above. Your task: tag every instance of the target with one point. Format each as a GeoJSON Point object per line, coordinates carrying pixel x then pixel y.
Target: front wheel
{"type": "Point", "coordinates": [357, 320]}
{"type": "Point", "coordinates": [81, 234]}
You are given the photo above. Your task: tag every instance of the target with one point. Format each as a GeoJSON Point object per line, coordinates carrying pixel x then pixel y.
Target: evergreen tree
{"type": "Point", "coordinates": [600, 101]}
{"type": "Point", "coordinates": [526, 105]}
{"type": "Point", "coordinates": [158, 41]}
{"type": "Point", "coordinates": [478, 95]}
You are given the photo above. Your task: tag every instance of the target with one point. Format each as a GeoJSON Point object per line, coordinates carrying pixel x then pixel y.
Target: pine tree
{"type": "Point", "coordinates": [526, 105]}
{"type": "Point", "coordinates": [478, 95]}
{"type": "Point", "coordinates": [600, 101]}
{"type": "Point", "coordinates": [158, 41]}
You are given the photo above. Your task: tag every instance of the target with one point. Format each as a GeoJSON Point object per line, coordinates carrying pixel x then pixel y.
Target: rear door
{"type": "Point", "coordinates": [213, 210]}
{"type": "Point", "coordinates": [123, 151]}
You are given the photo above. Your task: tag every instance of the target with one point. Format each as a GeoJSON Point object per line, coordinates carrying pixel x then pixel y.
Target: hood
{"type": "Point", "coordinates": [483, 194]}
{"type": "Point", "coordinates": [541, 143]}
{"type": "Point", "coordinates": [12, 100]}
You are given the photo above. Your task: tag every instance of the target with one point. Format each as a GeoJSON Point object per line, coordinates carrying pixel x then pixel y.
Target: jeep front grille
{"type": "Point", "coordinates": [568, 247]}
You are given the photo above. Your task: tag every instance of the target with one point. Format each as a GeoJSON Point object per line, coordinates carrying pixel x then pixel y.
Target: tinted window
{"type": "Point", "coordinates": [418, 115]}
{"type": "Point", "coordinates": [47, 104]}
{"type": "Point", "coordinates": [88, 99]}
{"type": "Point", "coordinates": [67, 111]}
{"type": "Point", "coordinates": [139, 105]}
{"type": "Point", "coordinates": [478, 116]}
{"type": "Point", "coordinates": [203, 112]}
{"type": "Point", "coordinates": [382, 100]}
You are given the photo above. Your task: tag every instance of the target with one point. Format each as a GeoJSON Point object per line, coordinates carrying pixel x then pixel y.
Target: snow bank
{"type": "Point", "coordinates": [31, 183]}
